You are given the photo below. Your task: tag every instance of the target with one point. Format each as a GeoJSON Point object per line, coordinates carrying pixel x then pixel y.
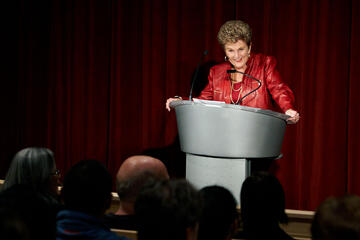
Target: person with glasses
{"type": "Point", "coordinates": [35, 167]}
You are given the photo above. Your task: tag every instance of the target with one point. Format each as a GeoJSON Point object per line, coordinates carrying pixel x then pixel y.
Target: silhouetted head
{"type": "Point", "coordinates": [168, 209]}
{"type": "Point", "coordinates": [12, 226]}
{"type": "Point", "coordinates": [337, 219]}
{"type": "Point", "coordinates": [219, 216]}
{"type": "Point", "coordinates": [262, 202]}
{"type": "Point", "coordinates": [27, 214]}
{"type": "Point", "coordinates": [87, 188]}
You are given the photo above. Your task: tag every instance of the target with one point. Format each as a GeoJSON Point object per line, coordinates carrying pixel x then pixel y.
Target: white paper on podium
{"type": "Point", "coordinates": [209, 102]}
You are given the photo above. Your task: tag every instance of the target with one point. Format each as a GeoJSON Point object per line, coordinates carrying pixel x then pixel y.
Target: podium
{"type": "Point", "coordinates": [220, 140]}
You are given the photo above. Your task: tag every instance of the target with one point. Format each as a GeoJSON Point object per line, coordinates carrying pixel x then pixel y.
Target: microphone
{"type": "Point", "coordinates": [235, 71]}
{"type": "Point", "coordinates": [196, 73]}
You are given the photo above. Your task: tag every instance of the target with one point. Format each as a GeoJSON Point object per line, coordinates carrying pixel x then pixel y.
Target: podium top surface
{"type": "Point", "coordinates": [218, 104]}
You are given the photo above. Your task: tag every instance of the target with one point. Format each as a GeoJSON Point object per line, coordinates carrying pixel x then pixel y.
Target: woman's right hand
{"type": "Point", "coordinates": [171, 100]}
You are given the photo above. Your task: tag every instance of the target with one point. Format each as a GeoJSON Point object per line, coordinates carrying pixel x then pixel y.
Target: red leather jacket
{"type": "Point", "coordinates": [260, 67]}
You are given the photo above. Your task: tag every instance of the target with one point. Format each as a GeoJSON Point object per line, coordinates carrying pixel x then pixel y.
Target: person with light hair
{"type": "Point", "coordinates": [236, 80]}
{"type": "Point", "coordinates": [36, 168]}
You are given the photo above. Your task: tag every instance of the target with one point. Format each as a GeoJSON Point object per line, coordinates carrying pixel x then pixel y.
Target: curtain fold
{"type": "Point", "coordinates": [353, 107]}
{"type": "Point", "coordinates": [78, 109]}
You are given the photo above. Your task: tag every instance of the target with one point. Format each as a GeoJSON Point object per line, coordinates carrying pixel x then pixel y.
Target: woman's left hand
{"type": "Point", "coordinates": [294, 116]}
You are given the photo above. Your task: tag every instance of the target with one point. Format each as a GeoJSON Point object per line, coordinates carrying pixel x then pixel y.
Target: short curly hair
{"type": "Point", "coordinates": [233, 31]}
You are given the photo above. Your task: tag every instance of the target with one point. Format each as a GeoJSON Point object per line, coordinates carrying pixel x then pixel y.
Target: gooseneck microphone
{"type": "Point", "coordinates": [196, 73]}
{"type": "Point", "coordinates": [235, 71]}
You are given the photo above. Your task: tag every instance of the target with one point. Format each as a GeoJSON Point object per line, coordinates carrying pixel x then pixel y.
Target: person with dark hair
{"type": "Point", "coordinates": [168, 209]}
{"type": "Point", "coordinates": [134, 172]}
{"type": "Point", "coordinates": [262, 201]}
{"type": "Point", "coordinates": [219, 218]}
{"type": "Point", "coordinates": [86, 194]}
{"type": "Point", "coordinates": [337, 219]}
{"type": "Point", "coordinates": [36, 168]}
{"type": "Point", "coordinates": [28, 215]}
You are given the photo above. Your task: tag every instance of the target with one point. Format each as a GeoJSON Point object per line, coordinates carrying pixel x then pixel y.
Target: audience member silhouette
{"type": "Point", "coordinates": [219, 218]}
{"type": "Point", "coordinates": [12, 226]}
{"type": "Point", "coordinates": [26, 214]}
{"type": "Point", "coordinates": [131, 177]}
{"type": "Point", "coordinates": [86, 194]}
{"type": "Point", "coordinates": [337, 219]}
{"type": "Point", "coordinates": [168, 209]}
{"type": "Point", "coordinates": [36, 168]}
{"type": "Point", "coordinates": [263, 207]}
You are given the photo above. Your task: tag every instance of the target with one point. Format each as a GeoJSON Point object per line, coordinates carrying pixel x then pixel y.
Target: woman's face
{"type": "Point", "coordinates": [238, 54]}
{"type": "Point", "coordinates": [55, 181]}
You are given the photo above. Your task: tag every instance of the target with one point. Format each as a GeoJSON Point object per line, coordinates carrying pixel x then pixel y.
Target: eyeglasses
{"type": "Point", "coordinates": [56, 173]}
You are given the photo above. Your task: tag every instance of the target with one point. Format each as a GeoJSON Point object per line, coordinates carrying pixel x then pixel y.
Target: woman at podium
{"type": "Point", "coordinates": [246, 78]}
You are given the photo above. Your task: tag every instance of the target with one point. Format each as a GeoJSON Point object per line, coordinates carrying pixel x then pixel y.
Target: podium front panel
{"type": "Point", "coordinates": [224, 130]}
{"type": "Point", "coordinates": [230, 173]}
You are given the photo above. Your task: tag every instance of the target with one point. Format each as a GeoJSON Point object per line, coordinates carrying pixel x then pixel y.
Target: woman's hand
{"type": "Point", "coordinates": [294, 116]}
{"type": "Point", "coordinates": [171, 100]}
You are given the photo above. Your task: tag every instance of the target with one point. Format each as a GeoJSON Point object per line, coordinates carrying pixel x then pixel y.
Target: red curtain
{"type": "Point", "coordinates": [89, 79]}
{"type": "Point", "coordinates": [312, 42]}
{"type": "Point", "coordinates": [353, 106]}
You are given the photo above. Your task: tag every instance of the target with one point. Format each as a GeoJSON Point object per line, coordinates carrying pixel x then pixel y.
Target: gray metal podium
{"type": "Point", "coordinates": [219, 139]}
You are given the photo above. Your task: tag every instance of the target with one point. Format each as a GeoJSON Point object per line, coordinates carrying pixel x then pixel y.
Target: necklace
{"type": "Point", "coordinates": [232, 86]}
{"type": "Point", "coordinates": [235, 90]}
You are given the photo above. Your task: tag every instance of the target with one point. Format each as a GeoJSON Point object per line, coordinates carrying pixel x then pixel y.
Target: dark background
{"type": "Point", "coordinates": [89, 79]}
